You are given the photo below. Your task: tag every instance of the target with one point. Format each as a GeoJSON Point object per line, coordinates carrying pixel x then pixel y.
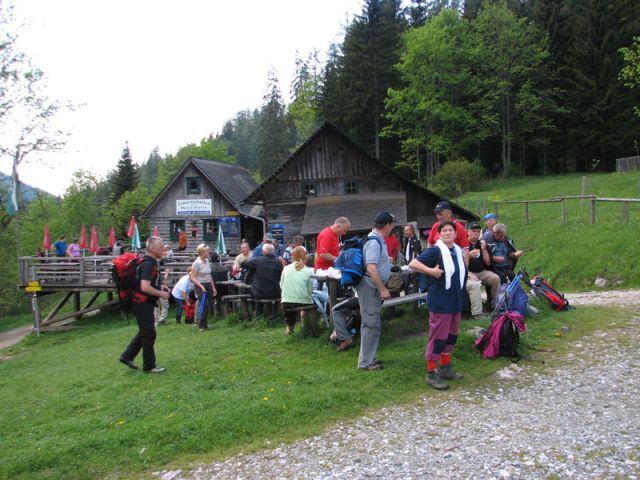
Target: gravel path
{"type": "Point", "coordinates": [581, 420]}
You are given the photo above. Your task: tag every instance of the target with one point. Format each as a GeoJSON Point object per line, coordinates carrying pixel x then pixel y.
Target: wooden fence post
{"type": "Point", "coordinates": [626, 211]}
{"type": "Point", "coordinates": [593, 211]}
{"type": "Point", "coordinates": [564, 216]}
{"type": "Point", "coordinates": [526, 213]}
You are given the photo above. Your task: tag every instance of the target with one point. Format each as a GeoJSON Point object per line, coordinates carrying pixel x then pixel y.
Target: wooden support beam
{"type": "Point", "coordinates": [58, 307]}
{"type": "Point", "coordinates": [93, 299]}
{"type": "Point", "coordinates": [76, 301]}
{"type": "Point", "coordinates": [78, 313]}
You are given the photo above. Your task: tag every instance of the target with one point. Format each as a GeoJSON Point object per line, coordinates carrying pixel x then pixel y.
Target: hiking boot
{"type": "Point", "coordinates": [435, 381]}
{"type": "Point", "coordinates": [156, 370]}
{"type": "Point", "coordinates": [128, 363]}
{"type": "Point", "coordinates": [344, 345]}
{"type": "Point", "coordinates": [479, 317]}
{"type": "Point", "coordinates": [372, 367]}
{"type": "Point", "coordinates": [447, 373]}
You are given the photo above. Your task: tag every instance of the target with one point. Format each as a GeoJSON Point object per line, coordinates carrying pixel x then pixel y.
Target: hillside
{"type": "Point", "coordinates": [574, 254]}
{"type": "Point", "coordinates": [27, 193]}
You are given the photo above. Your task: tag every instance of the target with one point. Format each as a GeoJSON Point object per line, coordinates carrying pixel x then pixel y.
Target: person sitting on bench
{"type": "Point", "coordinates": [505, 255]}
{"type": "Point", "coordinates": [266, 271]}
{"type": "Point", "coordinates": [296, 285]}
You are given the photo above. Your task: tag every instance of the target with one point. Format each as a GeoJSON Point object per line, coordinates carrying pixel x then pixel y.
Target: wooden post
{"type": "Point", "coordinates": [593, 211]}
{"type": "Point", "coordinates": [333, 295]}
{"type": "Point", "coordinates": [76, 301]}
{"type": "Point", "coordinates": [35, 305]}
{"type": "Point", "coordinates": [526, 213]}
{"type": "Point", "coordinates": [626, 211]}
{"type": "Point", "coordinates": [564, 216]}
{"type": "Point", "coordinates": [81, 274]}
{"type": "Point", "coordinates": [495, 208]}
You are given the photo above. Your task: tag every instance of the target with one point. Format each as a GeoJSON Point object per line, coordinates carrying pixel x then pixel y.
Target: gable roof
{"type": "Point", "coordinates": [233, 182]}
{"type": "Point", "coordinates": [329, 127]}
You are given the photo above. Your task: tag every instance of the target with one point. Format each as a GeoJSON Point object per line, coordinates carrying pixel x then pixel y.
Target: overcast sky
{"type": "Point", "coordinates": [161, 73]}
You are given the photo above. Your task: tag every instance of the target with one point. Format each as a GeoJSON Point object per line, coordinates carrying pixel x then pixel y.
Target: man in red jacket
{"type": "Point", "coordinates": [445, 214]}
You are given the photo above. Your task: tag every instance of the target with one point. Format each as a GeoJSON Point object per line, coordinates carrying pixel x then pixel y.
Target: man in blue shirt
{"type": "Point", "coordinates": [61, 246]}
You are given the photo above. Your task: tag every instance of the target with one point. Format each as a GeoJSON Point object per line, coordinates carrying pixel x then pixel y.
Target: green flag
{"type": "Point", "coordinates": [220, 246]}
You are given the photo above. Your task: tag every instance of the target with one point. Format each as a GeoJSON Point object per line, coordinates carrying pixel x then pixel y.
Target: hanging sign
{"type": "Point", "coordinates": [194, 206]}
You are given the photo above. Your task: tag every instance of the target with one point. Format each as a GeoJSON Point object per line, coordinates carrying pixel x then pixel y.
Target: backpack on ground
{"type": "Point", "coordinates": [351, 260]}
{"type": "Point", "coordinates": [509, 339]}
{"type": "Point", "coordinates": [503, 336]}
{"type": "Point", "coordinates": [512, 297]}
{"type": "Point", "coordinates": [541, 288]}
{"type": "Point", "coordinates": [124, 273]}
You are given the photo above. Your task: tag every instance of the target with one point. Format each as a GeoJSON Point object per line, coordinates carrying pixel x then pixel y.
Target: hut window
{"type": "Point", "coordinates": [309, 190]}
{"type": "Point", "coordinates": [193, 184]}
{"type": "Point", "coordinates": [351, 188]}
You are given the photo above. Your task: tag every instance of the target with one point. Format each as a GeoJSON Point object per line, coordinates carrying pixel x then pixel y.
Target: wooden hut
{"type": "Point", "coordinates": [330, 176]}
{"type": "Point", "coordinates": [205, 195]}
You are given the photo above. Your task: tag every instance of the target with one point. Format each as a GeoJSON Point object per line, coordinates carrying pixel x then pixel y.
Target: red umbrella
{"type": "Point", "coordinates": [132, 227]}
{"type": "Point", "coordinates": [46, 241]}
{"type": "Point", "coordinates": [112, 237]}
{"type": "Point", "coordinates": [83, 237]}
{"type": "Point", "coordinates": [94, 240]}
{"type": "Point", "coordinates": [155, 231]}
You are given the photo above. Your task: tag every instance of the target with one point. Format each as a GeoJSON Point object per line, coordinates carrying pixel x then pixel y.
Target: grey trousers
{"type": "Point", "coordinates": [370, 306]}
{"type": "Point", "coordinates": [341, 314]}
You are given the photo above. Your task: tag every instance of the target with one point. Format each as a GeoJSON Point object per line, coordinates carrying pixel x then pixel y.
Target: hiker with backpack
{"type": "Point", "coordinates": [372, 290]}
{"type": "Point", "coordinates": [148, 291]}
{"type": "Point", "coordinates": [446, 273]}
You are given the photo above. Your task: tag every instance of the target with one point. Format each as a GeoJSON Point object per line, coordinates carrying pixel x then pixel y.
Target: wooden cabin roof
{"type": "Point", "coordinates": [362, 210]}
{"type": "Point", "coordinates": [254, 197]}
{"type": "Point", "coordinates": [233, 182]}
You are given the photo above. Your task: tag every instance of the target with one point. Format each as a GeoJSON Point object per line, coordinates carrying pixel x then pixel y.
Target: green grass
{"type": "Point", "coordinates": [70, 410]}
{"type": "Point", "coordinates": [572, 255]}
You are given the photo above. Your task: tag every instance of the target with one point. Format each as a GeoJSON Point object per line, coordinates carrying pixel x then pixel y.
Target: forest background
{"type": "Point", "coordinates": [481, 88]}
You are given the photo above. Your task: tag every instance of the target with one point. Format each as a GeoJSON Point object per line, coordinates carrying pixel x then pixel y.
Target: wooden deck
{"type": "Point", "coordinates": [41, 276]}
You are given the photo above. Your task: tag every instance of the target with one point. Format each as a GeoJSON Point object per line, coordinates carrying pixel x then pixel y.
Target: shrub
{"type": "Point", "coordinates": [457, 177]}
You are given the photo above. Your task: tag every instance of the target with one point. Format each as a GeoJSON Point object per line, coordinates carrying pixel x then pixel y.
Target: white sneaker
{"type": "Point", "coordinates": [156, 370]}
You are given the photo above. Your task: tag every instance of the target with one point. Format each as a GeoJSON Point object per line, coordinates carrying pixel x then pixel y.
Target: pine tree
{"type": "Point", "coordinates": [125, 177]}
{"type": "Point", "coordinates": [361, 73]}
{"type": "Point", "coordinates": [274, 129]}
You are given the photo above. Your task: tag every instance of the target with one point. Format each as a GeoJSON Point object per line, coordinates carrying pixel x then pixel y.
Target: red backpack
{"type": "Point", "coordinates": [542, 288]}
{"type": "Point", "coordinates": [124, 273]}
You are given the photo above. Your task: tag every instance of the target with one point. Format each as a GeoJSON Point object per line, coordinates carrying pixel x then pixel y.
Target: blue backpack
{"type": "Point", "coordinates": [351, 260]}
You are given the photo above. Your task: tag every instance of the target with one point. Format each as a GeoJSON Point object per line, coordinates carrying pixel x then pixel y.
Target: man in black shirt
{"type": "Point", "coordinates": [266, 271]}
{"type": "Point", "coordinates": [144, 301]}
{"type": "Point", "coordinates": [479, 273]}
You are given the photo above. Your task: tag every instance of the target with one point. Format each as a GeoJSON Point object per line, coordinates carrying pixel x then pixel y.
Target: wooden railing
{"type": "Point", "coordinates": [90, 271]}
{"type": "Point", "coordinates": [561, 200]}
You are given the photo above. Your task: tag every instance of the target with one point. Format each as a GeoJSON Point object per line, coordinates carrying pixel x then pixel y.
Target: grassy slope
{"type": "Point", "coordinates": [571, 255]}
{"type": "Point", "coordinates": [70, 410]}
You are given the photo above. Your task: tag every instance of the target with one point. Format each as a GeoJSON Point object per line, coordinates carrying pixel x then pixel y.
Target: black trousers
{"type": "Point", "coordinates": [145, 338]}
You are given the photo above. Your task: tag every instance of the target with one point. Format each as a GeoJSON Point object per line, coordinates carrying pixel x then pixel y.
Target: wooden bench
{"type": "Point", "coordinates": [242, 300]}
{"type": "Point", "coordinates": [414, 297]}
{"type": "Point", "coordinates": [273, 305]}
{"type": "Point", "coordinates": [308, 318]}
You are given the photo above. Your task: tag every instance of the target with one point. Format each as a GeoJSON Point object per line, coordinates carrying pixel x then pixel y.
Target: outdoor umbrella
{"type": "Point", "coordinates": [83, 237]}
{"type": "Point", "coordinates": [155, 231]}
{"type": "Point", "coordinates": [135, 239]}
{"type": "Point", "coordinates": [132, 227]}
{"type": "Point", "coordinates": [94, 240]}
{"type": "Point", "coordinates": [112, 237]}
{"type": "Point", "coordinates": [46, 241]}
{"type": "Point", "coordinates": [220, 246]}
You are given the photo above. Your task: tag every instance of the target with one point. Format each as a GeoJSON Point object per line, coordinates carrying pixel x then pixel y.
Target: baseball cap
{"type": "Point", "coordinates": [489, 216]}
{"type": "Point", "coordinates": [474, 226]}
{"type": "Point", "coordinates": [443, 205]}
{"type": "Point", "coordinates": [384, 218]}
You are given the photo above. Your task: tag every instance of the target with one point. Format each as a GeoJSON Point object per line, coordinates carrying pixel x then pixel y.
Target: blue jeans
{"type": "Point", "coordinates": [179, 303]}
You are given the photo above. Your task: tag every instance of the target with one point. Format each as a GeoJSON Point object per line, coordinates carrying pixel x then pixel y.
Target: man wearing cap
{"type": "Point", "coordinates": [328, 243]}
{"type": "Point", "coordinates": [267, 239]}
{"type": "Point", "coordinates": [479, 273]}
{"type": "Point", "coordinates": [444, 213]}
{"type": "Point", "coordinates": [490, 220]}
{"type": "Point", "coordinates": [372, 289]}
